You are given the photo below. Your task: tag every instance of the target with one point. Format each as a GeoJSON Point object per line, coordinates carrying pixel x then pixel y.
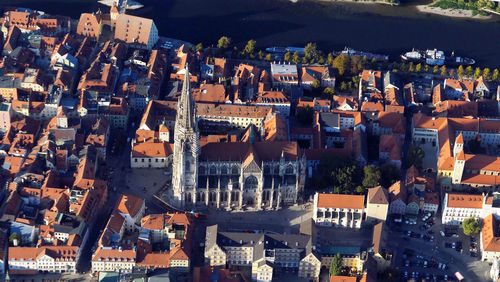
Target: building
{"type": "Point", "coordinates": [89, 25]}
{"type": "Point", "coordinates": [490, 239]}
{"type": "Point", "coordinates": [263, 252]}
{"type": "Point", "coordinates": [339, 210]}
{"type": "Point", "coordinates": [6, 114]}
{"type": "Point", "coordinates": [399, 197]}
{"type": "Point", "coordinates": [377, 205]}
{"type": "Point", "coordinates": [458, 207]}
{"type": "Point", "coordinates": [231, 174]}
{"type": "Point", "coordinates": [137, 32]}
{"type": "Point", "coordinates": [379, 250]}
{"type": "Point", "coordinates": [284, 75]}
{"type": "Point", "coordinates": [275, 99]}
{"type": "Point", "coordinates": [52, 259]}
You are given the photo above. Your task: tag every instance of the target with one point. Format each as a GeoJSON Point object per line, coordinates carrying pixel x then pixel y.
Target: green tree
{"type": "Point", "coordinates": [305, 115]}
{"type": "Point", "coordinates": [411, 67]}
{"type": "Point", "coordinates": [269, 57]}
{"type": "Point", "coordinates": [477, 73]}
{"type": "Point", "coordinates": [260, 55]}
{"type": "Point", "coordinates": [373, 63]}
{"type": "Point", "coordinates": [418, 68]}
{"type": "Point", "coordinates": [15, 236]}
{"type": "Point", "coordinates": [288, 56]}
{"type": "Point", "coordinates": [305, 60]}
{"type": "Point", "coordinates": [487, 74]}
{"type": "Point", "coordinates": [329, 59]}
{"type": "Point", "coordinates": [389, 174]}
{"type": "Point", "coordinates": [343, 86]}
{"type": "Point", "coordinates": [435, 70]}
{"type": "Point", "coordinates": [360, 189]}
{"type": "Point", "coordinates": [321, 59]}
{"type": "Point", "coordinates": [426, 68]}
{"type": "Point", "coordinates": [471, 226]}
{"type": "Point", "coordinates": [336, 265]}
{"type": "Point", "coordinates": [414, 157]}
{"type": "Point", "coordinates": [443, 71]}
{"type": "Point", "coordinates": [310, 51]}
{"type": "Point", "coordinates": [341, 63]}
{"type": "Point", "coordinates": [296, 58]}
{"type": "Point", "coordinates": [356, 64]}
{"type": "Point", "coordinates": [402, 67]}
{"type": "Point", "coordinates": [460, 71]}
{"type": "Point", "coordinates": [250, 47]}
{"type": "Point", "coordinates": [371, 176]}
{"type": "Point", "coordinates": [495, 76]}
{"type": "Point", "coordinates": [329, 92]}
{"type": "Point", "coordinates": [316, 84]}
{"type": "Point", "coordinates": [469, 71]}
{"type": "Point", "coordinates": [224, 42]}
{"type": "Point", "coordinates": [199, 47]}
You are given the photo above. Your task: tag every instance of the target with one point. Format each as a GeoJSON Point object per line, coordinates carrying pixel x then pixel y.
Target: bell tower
{"type": "Point", "coordinates": [186, 147]}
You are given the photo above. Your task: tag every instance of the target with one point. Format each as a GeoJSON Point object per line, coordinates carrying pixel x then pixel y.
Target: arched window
{"type": "Point", "coordinates": [289, 169]}
{"type": "Point", "coordinates": [213, 169]}
{"type": "Point", "coordinates": [251, 182]}
{"type": "Point", "coordinates": [201, 170]}
{"type": "Point", "coordinates": [277, 169]}
{"type": "Point", "coordinates": [223, 170]}
{"type": "Point", "coordinates": [267, 169]}
{"type": "Point", "coordinates": [235, 170]}
{"type": "Point", "coordinates": [187, 166]}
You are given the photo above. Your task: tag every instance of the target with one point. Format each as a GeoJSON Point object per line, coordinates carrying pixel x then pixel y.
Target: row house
{"type": "Point", "coordinates": [458, 207]}
{"type": "Point", "coordinates": [284, 75]}
{"type": "Point", "coordinates": [274, 99]}
{"type": "Point", "coordinates": [33, 260]}
{"type": "Point", "coordinates": [317, 104]}
{"type": "Point", "coordinates": [323, 74]}
{"type": "Point", "coordinates": [489, 239]}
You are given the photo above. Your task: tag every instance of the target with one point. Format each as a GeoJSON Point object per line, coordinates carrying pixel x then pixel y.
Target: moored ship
{"type": "Point", "coordinates": [436, 58]}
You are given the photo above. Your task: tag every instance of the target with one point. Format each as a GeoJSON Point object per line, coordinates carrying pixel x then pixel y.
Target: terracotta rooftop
{"type": "Point", "coordinates": [341, 201]}
{"type": "Point", "coordinates": [465, 201]}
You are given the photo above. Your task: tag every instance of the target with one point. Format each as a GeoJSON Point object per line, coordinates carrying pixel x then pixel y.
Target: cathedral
{"type": "Point", "coordinates": [231, 175]}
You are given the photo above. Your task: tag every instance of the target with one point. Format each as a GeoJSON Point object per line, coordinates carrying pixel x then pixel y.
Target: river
{"type": "Point", "coordinates": [332, 25]}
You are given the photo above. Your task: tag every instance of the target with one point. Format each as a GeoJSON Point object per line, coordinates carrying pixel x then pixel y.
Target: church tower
{"type": "Point", "coordinates": [458, 168]}
{"type": "Point", "coordinates": [186, 147]}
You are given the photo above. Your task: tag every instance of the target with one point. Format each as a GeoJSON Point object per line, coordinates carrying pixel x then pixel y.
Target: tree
{"type": "Point", "coordinates": [288, 56]}
{"type": "Point", "coordinates": [305, 60]}
{"type": "Point", "coordinates": [199, 47]}
{"type": "Point", "coordinates": [336, 266]}
{"type": "Point", "coordinates": [402, 67]}
{"type": "Point", "coordinates": [389, 174]}
{"type": "Point", "coordinates": [360, 189]}
{"type": "Point", "coordinates": [411, 67]}
{"type": "Point", "coordinates": [250, 47]}
{"type": "Point", "coordinates": [414, 157]}
{"type": "Point", "coordinates": [329, 92]}
{"type": "Point", "coordinates": [269, 57]}
{"type": "Point", "coordinates": [316, 84]}
{"type": "Point", "coordinates": [487, 74]}
{"type": "Point", "coordinates": [356, 65]}
{"type": "Point", "coordinates": [305, 115]}
{"type": "Point", "coordinates": [296, 58]}
{"type": "Point", "coordinates": [443, 70]}
{"type": "Point", "coordinates": [452, 72]}
{"type": "Point", "coordinates": [471, 226]}
{"type": "Point", "coordinates": [341, 63]}
{"type": "Point", "coordinates": [224, 42]}
{"type": "Point", "coordinates": [329, 59]}
{"type": "Point", "coordinates": [469, 71]}
{"type": "Point", "coordinates": [343, 86]}
{"type": "Point", "coordinates": [460, 71]}
{"type": "Point", "coordinates": [260, 55]}
{"type": "Point", "coordinates": [495, 76]}
{"type": "Point", "coordinates": [418, 68]}
{"type": "Point", "coordinates": [371, 176]}
{"type": "Point", "coordinates": [310, 51]}
{"type": "Point", "coordinates": [373, 63]}
{"type": "Point", "coordinates": [477, 73]}
{"type": "Point", "coordinates": [426, 68]}
{"type": "Point", "coordinates": [15, 236]}
{"type": "Point", "coordinates": [435, 70]}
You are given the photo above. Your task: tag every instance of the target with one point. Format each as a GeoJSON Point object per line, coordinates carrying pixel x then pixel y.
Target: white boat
{"type": "Point", "coordinates": [130, 4]}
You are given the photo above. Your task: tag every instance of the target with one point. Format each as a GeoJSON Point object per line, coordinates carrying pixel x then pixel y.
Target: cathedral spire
{"type": "Point", "coordinates": [187, 115]}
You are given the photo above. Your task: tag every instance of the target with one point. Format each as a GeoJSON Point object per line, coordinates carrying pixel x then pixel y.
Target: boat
{"type": "Point", "coordinates": [276, 50]}
{"type": "Point", "coordinates": [283, 50]}
{"type": "Point", "coordinates": [436, 58]}
{"type": "Point", "coordinates": [129, 5]}
{"type": "Point", "coordinates": [370, 56]}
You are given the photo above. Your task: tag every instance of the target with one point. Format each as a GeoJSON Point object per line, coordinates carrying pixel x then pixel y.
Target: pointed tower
{"type": "Point", "coordinates": [459, 144]}
{"type": "Point", "coordinates": [186, 147]}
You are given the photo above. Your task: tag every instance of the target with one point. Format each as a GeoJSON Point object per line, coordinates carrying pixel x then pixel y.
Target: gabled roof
{"type": "Point", "coordinates": [341, 201]}
{"type": "Point", "coordinates": [464, 201]}
{"type": "Point", "coordinates": [378, 195]}
{"type": "Point", "coordinates": [490, 232]}
{"type": "Point", "coordinates": [129, 204]}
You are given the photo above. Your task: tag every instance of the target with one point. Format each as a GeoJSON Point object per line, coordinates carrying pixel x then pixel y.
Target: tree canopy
{"type": "Point", "coordinates": [341, 64]}
{"type": "Point", "coordinates": [471, 226]}
{"type": "Point", "coordinates": [371, 176]}
{"type": "Point", "coordinates": [250, 47]}
{"type": "Point", "coordinates": [224, 42]}
{"type": "Point", "coordinates": [336, 265]}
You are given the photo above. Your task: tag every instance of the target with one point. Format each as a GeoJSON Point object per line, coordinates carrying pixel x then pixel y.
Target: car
{"type": "Point", "coordinates": [406, 274]}
{"type": "Point", "coordinates": [442, 233]}
{"type": "Point", "coordinates": [454, 235]}
{"type": "Point", "coordinates": [444, 266]}
{"type": "Point", "coordinates": [425, 263]}
{"type": "Point", "coordinates": [446, 277]}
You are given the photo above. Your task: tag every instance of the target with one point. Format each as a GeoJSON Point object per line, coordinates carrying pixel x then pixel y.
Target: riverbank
{"type": "Point", "coordinates": [453, 13]}
{"type": "Point", "coordinates": [394, 3]}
